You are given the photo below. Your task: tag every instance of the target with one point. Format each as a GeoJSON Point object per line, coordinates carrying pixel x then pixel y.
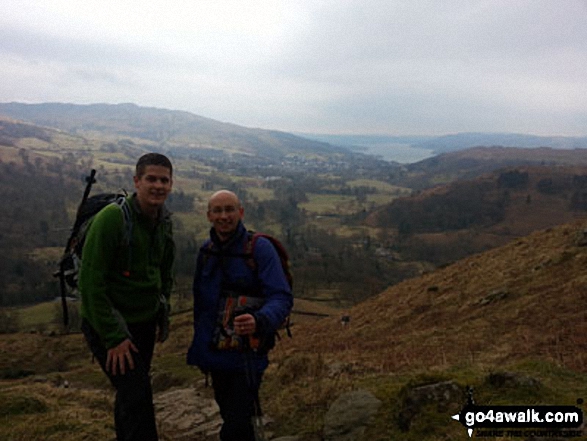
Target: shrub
{"type": "Point", "coordinates": [9, 321]}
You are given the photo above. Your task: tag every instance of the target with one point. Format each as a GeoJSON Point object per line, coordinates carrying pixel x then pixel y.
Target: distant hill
{"type": "Point", "coordinates": [454, 142]}
{"type": "Point", "coordinates": [362, 140]}
{"type": "Point", "coordinates": [451, 221]}
{"type": "Point", "coordinates": [473, 162]}
{"type": "Point", "coordinates": [168, 128]}
{"type": "Point", "coordinates": [461, 141]}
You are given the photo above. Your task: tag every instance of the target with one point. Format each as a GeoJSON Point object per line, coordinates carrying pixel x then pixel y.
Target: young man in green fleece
{"type": "Point", "coordinates": [125, 289]}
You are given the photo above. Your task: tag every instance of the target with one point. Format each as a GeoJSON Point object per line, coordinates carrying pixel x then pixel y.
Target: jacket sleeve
{"type": "Point", "coordinates": [275, 287]}
{"type": "Point", "coordinates": [98, 258]}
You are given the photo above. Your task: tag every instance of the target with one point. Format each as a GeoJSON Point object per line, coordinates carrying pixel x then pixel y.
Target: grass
{"type": "Point", "coordinates": [21, 405]}
{"type": "Point", "coordinates": [262, 194]}
{"type": "Point", "coordinates": [381, 187]}
{"type": "Point", "coordinates": [42, 412]}
{"type": "Point", "coordinates": [431, 328]}
{"type": "Point", "coordinates": [39, 316]}
{"type": "Point", "coordinates": [329, 204]}
{"type": "Point", "coordinates": [297, 391]}
{"type": "Point", "coordinates": [380, 198]}
{"type": "Point", "coordinates": [300, 390]}
{"type": "Point", "coordinates": [196, 223]}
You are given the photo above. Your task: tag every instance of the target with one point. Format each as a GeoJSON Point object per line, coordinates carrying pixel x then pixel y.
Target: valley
{"type": "Point", "coordinates": [456, 268]}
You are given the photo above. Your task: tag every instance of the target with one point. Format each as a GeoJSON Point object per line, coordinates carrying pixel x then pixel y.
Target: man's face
{"type": "Point", "coordinates": [153, 187]}
{"type": "Point", "coordinates": [224, 212]}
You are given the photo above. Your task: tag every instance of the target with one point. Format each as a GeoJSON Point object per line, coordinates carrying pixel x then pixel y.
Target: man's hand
{"type": "Point", "coordinates": [245, 324]}
{"type": "Point", "coordinates": [118, 356]}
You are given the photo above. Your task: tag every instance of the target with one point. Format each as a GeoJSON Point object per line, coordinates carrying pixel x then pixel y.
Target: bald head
{"type": "Point", "coordinates": [223, 195]}
{"type": "Point", "coordinates": [224, 213]}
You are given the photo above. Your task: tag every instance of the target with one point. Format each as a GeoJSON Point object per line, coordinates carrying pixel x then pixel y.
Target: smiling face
{"type": "Point", "coordinates": [152, 188]}
{"type": "Point", "coordinates": [224, 213]}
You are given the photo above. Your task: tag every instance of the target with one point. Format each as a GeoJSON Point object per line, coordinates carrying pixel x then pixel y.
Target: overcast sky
{"type": "Point", "coordinates": [409, 67]}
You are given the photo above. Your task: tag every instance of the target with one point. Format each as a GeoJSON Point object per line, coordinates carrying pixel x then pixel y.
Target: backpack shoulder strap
{"type": "Point", "coordinates": [284, 260]}
{"type": "Point", "coordinates": [122, 203]}
{"type": "Point", "coordinates": [279, 248]}
{"type": "Point", "coordinates": [249, 249]}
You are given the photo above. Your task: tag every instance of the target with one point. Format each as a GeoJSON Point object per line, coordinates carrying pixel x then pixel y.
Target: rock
{"type": "Point", "coordinates": [581, 238]}
{"type": "Point", "coordinates": [338, 368]}
{"type": "Point", "coordinates": [349, 415]}
{"type": "Point", "coordinates": [443, 394]}
{"type": "Point", "coordinates": [512, 379]}
{"type": "Point", "coordinates": [187, 415]}
{"type": "Point", "coordinates": [494, 296]}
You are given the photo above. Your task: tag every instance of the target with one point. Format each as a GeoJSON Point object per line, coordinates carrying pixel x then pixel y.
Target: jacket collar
{"type": "Point", "coordinates": [235, 238]}
{"type": "Point", "coordinates": [163, 215]}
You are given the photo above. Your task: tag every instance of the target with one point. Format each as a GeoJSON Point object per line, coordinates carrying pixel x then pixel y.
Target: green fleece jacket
{"type": "Point", "coordinates": [118, 288]}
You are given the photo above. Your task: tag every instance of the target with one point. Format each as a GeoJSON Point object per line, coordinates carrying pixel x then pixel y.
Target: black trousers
{"type": "Point", "coordinates": [134, 413]}
{"type": "Point", "coordinates": [237, 395]}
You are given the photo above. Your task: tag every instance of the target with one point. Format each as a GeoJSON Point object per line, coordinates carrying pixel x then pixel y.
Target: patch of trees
{"type": "Point", "coordinates": [323, 260]}
{"type": "Point", "coordinates": [13, 130]}
{"type": "Point", "coordinates": [572, 188]}
{"type": "Point", "coordinates": [578, 200]}
{"type": "Point", "coordinates": [461, 207]}
{"type": "Point", "coordinates": [38, 213]}
{"type": "Point", "coordinates": [282, 210]}
{"type": "Point", "coordinates": [34, 216]}
{"type": "Point", "coordinates": [178, 201]}
{"type": "Point", "coordinates": [34, 207]}
{"type": "Point", "coordinates": [513, 179]}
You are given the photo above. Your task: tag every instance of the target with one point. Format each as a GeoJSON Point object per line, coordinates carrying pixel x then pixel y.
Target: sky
{"type": "Point", "coordinates": [386, 67]}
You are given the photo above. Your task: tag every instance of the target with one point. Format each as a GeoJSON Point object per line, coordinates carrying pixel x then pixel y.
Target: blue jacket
{"type": "Point", "coordinates": [224, 266]}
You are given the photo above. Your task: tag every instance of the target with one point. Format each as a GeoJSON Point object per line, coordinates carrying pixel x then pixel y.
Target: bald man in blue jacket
{"type": "Point", "coordinates": [237, 310]}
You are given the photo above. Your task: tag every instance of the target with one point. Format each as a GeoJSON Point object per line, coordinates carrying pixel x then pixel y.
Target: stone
{"type": "Point", "coordinates": [349, 415]}
{"type": "Point", "coordinates": [443, 394]}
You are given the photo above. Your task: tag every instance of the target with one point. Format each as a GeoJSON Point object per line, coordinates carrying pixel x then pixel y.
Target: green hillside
{"type": "Point", "coordinates": [169, 129]}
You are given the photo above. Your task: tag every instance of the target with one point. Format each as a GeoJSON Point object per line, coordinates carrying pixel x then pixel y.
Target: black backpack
{"type": "Point", "coordinates": [70, 261]}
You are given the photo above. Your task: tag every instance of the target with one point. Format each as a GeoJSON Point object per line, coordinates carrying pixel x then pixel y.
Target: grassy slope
{"type": "Point", "coordinates": [507, 309]}
{"type": "Point", "coordinates": [519, 307]}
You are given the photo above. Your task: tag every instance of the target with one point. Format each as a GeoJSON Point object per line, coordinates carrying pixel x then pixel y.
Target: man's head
{"type": "Point", "coordinates": [153, 181]}
{"type": "Point", "coordinates": [224, 213]}
{"type": "Point", "coordinates": [152, 159]}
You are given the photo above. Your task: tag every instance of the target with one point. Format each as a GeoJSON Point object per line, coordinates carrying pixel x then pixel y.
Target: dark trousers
{"type": "Point", "coordinates": [237, 395]}
{"type": "Point", "coordinates": [134, 413]}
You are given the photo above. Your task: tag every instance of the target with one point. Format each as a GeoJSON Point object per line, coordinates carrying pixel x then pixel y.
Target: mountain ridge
{"type": "Point", "coordinates": [167, 128]}
{"type": "Point", "coordinates": [460, 141]}
{"type": "Point", "coordinates": [186, 128]}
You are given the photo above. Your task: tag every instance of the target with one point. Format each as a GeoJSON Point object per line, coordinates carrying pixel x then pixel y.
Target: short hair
{"type": "Point", "coordinates": [152, 159]}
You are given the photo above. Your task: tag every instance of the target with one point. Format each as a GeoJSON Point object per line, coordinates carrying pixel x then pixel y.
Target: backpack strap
{"type": "Point", "coordinates": [124, 206]}
{"type": "Point", "coordinates": [249, 253]}
{"type": "Point", "coordinates": [249, 249]}
{"type": "Point", "coordinates": [281, 253]}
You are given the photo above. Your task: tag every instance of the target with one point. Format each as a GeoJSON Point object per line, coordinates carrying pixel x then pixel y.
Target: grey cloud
{"type": "Point", "coordinates": [371, 65]}
{"type": "Point", "coordinates": [29, 44]}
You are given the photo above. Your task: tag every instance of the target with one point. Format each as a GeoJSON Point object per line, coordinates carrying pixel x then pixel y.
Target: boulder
{"type": "Point", "coordinates": [442, 394]}
{"type": "Point", "coordinates": [349, 415]}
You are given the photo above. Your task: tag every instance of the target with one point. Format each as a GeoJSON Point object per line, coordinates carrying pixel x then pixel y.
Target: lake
{"type": "Point", "coordinates": [402, 153]}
